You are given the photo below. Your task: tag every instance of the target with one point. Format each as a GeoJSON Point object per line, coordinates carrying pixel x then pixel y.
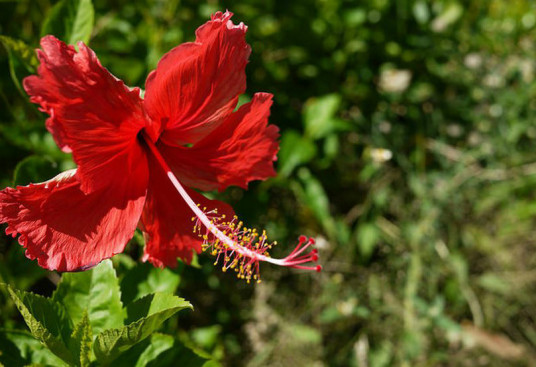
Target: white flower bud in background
{"type": "Point", "coordinates": [380, 155]}
{"type": "Point", "coordinates": [394, 80]}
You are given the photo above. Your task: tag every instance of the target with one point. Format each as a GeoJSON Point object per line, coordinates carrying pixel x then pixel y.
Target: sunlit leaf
{"type": "Point", "coordinates": [451, 12]}
{"type": "Point", "coordinates": [70, 20]}
{"type": "Point", "coordinates": [81, 340]}
{"type": "Point", "coordinates": [96, 292]}
{"type": "Point", "coordinates": [295, 150]}
{"type": "Point", "coordinates": [319, 116]}
{"type": "Point", "coordinates": [22, 60]}
{"type": "Point", "coordinates": [421, 11]}
{"type": "Point", "coordinates": [355, 17]}
{"type": "Point", "coordinates": [24, 52]}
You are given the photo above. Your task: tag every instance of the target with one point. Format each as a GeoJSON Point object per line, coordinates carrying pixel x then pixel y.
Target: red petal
{"type": "Point", "coordinates": [242, 149]}
{"type": "Point", "coordinates": [167, 221]}
{"type": "Point", "coordinates": [67, 230]}
{"type": "Point", "coordinates": [91, 112]}
{"type": "Point", "coordinates": [196, 85]}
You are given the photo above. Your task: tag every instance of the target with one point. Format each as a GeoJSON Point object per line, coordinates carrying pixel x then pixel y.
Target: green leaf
{"type": "Point", "coordinates": [155, 305]}
{"type": "Point", "coordinates": [355, 17]}
{"type": "Point", "coordinates": [34, 169]}
{"type": "Point", "coordinates": [448, 16]}
{"type": "Point", "coordinates": [319, 116]}
{"type": "Point", "coordinates": [421, 11]}
{"type": "Point", "coordinates": [24, 53]}
{"type": "Point", "coordinates": [96, 292]}
{"type": "Point", "coordinates": [206, 337]}
{"type": "Point", "coordinates": [331, 147]}
{"type": "Point", "coordinates": [179, 355]}
{"type": "Point", "coordinates": [160, 350]}
{"type": "Point", "coordinates": [295, 150]}
{"type": "Point", "coordinates": [146, 351]}
{"type": "Point", "coordinates": [18, 271]}
{"type": "Point", "coordinates": [70, 20]}
{"type": "Point", "coordinates": [367, 236]}
{"type": "Point", "coordinates": [144, 279]}
{"type": "Point", "coordinates": [145, 316]}
{"type": "Point", "coordinates": [10, 353]}
{"type": "Point", "coordinates": [46, 320]}
{"type": "Point", "coordinates": [303, 334]}
{"type": "Point", "coordinates": [22, 60]}
{"type": "Point", "coordinates": [315, 197]}
{"type": "Point", "coordinates": [494, 283]}
{"type": "Point", "coordinates": [80, 342]}
{"type": "Point", "coordinates": [20, 348]}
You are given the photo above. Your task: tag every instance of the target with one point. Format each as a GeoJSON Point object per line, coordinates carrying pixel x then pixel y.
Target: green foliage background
{"type": "Point", "coordinates": [407, 150]}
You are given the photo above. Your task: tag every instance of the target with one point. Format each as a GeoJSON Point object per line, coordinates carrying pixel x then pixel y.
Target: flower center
{"type": "Point", "coordinates": [240, 248]}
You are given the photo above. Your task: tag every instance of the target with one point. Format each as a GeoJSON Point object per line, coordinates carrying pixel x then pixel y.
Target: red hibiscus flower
{"type": "Point", "coordinates": [134, 155]}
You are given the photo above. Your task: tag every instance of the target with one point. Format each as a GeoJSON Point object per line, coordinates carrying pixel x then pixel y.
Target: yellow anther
{"type": "Point", "coordinates": [241, 248]}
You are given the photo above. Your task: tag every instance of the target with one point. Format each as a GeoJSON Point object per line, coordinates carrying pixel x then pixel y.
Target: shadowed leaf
{"type": "Point", "coordinates": [46, 320]}
{"type": "Point", "coordinates": [19, 348]}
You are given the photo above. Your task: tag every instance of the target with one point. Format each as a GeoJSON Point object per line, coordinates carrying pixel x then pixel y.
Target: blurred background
{"type": "Point", "coordinates": [407, 150]}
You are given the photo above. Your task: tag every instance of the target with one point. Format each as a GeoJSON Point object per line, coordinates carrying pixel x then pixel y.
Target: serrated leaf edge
{"type": "Point", "coordinates": [37, 329]}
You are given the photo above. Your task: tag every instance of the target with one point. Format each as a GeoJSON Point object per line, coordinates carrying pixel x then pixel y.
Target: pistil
{"type": "Point", "coordinates": [238, 247]}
